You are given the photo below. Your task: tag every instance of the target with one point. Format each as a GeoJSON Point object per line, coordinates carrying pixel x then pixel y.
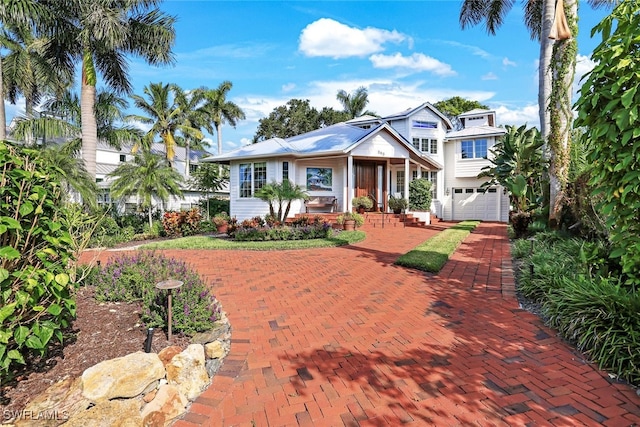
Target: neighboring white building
{"type": "Point", "coordinates": [377, 157]}
{"type": "Point", "coordinates": [109, 158]}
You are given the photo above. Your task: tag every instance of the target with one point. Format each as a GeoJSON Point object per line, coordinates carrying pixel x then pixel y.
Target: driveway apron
{"type": "Point", "coordinates": [342, 336]}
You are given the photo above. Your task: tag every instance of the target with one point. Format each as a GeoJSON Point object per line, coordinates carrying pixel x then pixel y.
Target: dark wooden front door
{"type": "Point", "coordinates": [369, 181]}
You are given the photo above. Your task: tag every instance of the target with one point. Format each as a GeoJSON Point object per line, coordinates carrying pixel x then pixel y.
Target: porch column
{"type": "Point", "coordinates": [419, 175]}
{"type": "Point", "coordinates": [350, 184]}
{"type": "Point", "coordinates": [407, 175]}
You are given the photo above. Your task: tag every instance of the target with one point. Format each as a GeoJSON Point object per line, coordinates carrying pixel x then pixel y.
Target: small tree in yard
{"type": "Point", "coordinates": [36, 249]}
{"type": "Point", "coordinates": [420, 195]}
{"type": "Point", "coordinates": [280, 194]}
{"type": "Point", "coordinates": [609, 111]}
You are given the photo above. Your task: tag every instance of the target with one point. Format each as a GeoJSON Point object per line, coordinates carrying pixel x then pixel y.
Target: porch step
{"type": "Point", "coordinates": [377, 219]}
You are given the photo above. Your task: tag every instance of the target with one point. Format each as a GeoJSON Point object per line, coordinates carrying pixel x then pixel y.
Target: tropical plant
{"type": "Point", "coordinates": [209, 178]}
{"type": "Point", "coordinates": [149, 176]}
{"type": "Point", "coordinates": [355, 103]}
{"type": "Point", "coordinates": [193, 116]}
{"type": "Point", "coordinates": [362, 202]}
{"type": "Point", "coordinates": [420, 195]}
{"type": "Point", "coordinates": [36, 292]}
{"type": "Point", "coordinates": [220, 110]}
{"type": "Point", "coordinates": [100, 34]}
{"type": "Point", "coordinates": [613, 139]}
{"type": "Point", "coordinates": [19, 13]}
{"type": "Point", "coordinates": [280, 195]}
{"type": "Point", "coordinates": [164, 115]}
{"type": "Point", "coordinates": [350, 216]}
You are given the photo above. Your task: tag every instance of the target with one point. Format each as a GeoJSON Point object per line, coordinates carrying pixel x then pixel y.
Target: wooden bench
{"type": "Point", "coordinates": [321, 202]}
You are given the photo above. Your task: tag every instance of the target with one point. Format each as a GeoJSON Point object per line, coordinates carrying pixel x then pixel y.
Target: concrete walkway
{"type": "Point", "coordinates": [341, 336]}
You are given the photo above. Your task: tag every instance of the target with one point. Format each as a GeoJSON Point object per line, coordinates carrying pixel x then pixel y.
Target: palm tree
{"type": "Point", "coordinates": [220, 110]}
{"type": "Point", "coordinates": [17, 13]}
{"type": "Point", "coordinates": [100, 34]}
{"type": "Point", "coordinates": [282, 194]}
{"type": "Point", "coordinates": [164, 115]}
{"type": "Point", "coordinates": [556, 72]}
{"type": "Point", "coordinates": [148, 176]}
{"type": "Point", "coordinates": [354, 104]}
{"type": "Point", "coordinates": [193, 116]}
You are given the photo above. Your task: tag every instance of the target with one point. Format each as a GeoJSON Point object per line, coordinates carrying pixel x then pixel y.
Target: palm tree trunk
{"type": "Point", "coordinates": [150, 217]}
{"type": "Point", "coordinates": [89, 127]}
{"type": "Point", "coordinates": [219, 134]}
{"type": "Point", "coordinates": [187, 160]}
{"type": "Point", "coordinates": [544, 71]}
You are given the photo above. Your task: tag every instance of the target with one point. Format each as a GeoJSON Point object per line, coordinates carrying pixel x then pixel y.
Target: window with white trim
{"type": "Point", "coordinates": [416, 143]}
{"type": "Point", "coordinates": [400, 182]}
{"type": "Point", "coordinates": [253, 176]}
{"type": "Point", "coordinates": [423, 124]}
{"type": "Point", "coordinates": [434, 146]}
{"type": "Point", "coordinates": [474, 149]}
{"type": "Point", "coordinates": [285, 170]}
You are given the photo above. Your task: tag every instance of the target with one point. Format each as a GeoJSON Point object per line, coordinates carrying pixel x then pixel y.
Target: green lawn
{"type": "Point", "coordinates": [211, 242]}
{"type": "Point", "coordinates": [435, 252]}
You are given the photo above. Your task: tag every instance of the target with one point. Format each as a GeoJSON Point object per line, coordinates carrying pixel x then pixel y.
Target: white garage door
{"type": "Point", "coordinates": [476, 203]}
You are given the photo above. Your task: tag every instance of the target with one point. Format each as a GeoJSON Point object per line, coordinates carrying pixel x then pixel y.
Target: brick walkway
{"type": "Point", "coordinates": [341, 336]}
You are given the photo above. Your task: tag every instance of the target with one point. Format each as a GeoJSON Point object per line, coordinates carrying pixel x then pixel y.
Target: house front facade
{"type": "Point", "coordinates": [368, 156]}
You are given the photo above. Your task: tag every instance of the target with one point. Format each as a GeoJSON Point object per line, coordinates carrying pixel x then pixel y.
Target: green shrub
{"type": "Point", "coordinates": [254, 232]}
{"type": "Point", "coordinates": [132, 278]}
{"type": "Point", "coordinates": [36, 248]}
{"type": "Point", "coordinates": [420, 195]}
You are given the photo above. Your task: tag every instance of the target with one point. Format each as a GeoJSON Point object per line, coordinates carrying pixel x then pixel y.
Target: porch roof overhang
{"type": "Point", "coordinates": [475, 132]}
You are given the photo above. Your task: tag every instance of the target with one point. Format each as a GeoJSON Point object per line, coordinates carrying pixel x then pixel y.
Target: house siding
{"type": "Point", "coordinates": [338, 181]}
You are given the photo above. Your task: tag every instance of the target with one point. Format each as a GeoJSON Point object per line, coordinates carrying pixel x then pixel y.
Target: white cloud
{"type": "Point", "coordinates": [417, 62]}
{"type": "Point", "coordinates": [518, 116]}
{"type": "Point", "coordinates": [584, 64]}
{"type": "Point", "coordinates": [326, 37]}
{"type": "Point", "coordinates": [475, 50]}
{"type": "Point", "coordinates": [508, 63]}
{"type": "Point", "coordinates": [288, 87]}
{"type": "Point", "coordinates": [489, 76]}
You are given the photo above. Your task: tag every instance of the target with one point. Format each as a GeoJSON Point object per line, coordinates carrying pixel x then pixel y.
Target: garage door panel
{"type": "Point", "coordinates": [475, 203]}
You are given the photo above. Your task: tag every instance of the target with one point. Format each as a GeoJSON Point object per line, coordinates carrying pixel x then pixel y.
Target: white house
{"type": "Point", "coordinates": [109, 158]}
{"type": "Point", "coordinates": [377, 157]}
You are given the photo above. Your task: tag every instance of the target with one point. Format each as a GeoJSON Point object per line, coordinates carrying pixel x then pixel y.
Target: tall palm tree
{"type": "Point", "coordinates": [18, 13]}
{"type": "Point", "coordinates": [193, 116]}
{"type": "Point", "coordinates": [221, 110]}
{"type": "Point", "coordinates": [148, 176]}
{"type": "Point", "coordinates": [100, 34]}
{"type": "Point", "coordinates": [164, 115]}
{"type": "Point", "coordinates": [556, 71]}
{"type": "Point", "coordinates": [354, 104]}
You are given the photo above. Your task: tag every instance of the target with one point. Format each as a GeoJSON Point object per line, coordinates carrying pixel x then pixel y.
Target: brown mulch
{"type": "Point", "coordinates": [101, 331]}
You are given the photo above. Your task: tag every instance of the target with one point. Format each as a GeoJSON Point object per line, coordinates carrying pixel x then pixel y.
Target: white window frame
{"type": "Point", "coordinates": [476, 154]}
{"type": "Point", "coordinates": [256, 177]}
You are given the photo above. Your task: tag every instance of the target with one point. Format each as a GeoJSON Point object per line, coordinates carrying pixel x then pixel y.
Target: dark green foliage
{"type": "Point", "coordinates": [609, 113]}
{"type": "Point", "coordinates": [132, 278]}
{"type": "Point", "coordinates": [420, 195]}
{"type": "Point", "coordinates": [215, 206]}
{"type": "Point", "coordinates": [36, 291]}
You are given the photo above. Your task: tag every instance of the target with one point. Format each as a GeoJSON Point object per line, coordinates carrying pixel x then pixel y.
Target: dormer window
{"type": "Point", "coordinates": [422, 124]}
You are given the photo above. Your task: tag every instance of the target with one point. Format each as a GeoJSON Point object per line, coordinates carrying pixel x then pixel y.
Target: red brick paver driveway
{"type": "Point", "coordinates": [341, 336]}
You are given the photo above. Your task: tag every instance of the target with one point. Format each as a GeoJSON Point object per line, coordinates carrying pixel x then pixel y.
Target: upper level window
{"type": "Point", "coordinates": [434, 146]}
{"type": "Point", "coordinates": [422, 124]}
{"type": "Point", "coordinates": [416, 143]}
{"type": "Point", "coordinates": [474, 149]}
{"type": "Point", "coordinates": [252, 177]}
{"type": "Point", "coordinates": [426, 145]}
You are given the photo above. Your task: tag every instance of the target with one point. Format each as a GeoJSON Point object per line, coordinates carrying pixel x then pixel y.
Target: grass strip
{"type": "Point", "coordinates": [211, 242]}
{"type": "Point", "coordinates": [435, 252]}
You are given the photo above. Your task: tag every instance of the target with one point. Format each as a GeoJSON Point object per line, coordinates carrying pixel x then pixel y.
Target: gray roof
{"type": "Point", "coordinates": [157, 148]}
{"type": "Point", "coordinates": [476, 131]}
{"type": "Point", "coordinates": [409, 112]}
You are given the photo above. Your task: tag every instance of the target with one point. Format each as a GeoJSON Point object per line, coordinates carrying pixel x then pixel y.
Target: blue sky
{"type": "Point", "coordinates": [403, 52]}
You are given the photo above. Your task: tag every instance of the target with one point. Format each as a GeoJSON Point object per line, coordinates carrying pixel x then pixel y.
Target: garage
{"type": "Point", "coordinates": [476, 203]}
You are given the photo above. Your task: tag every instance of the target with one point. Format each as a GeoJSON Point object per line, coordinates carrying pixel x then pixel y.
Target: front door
{"type": "Point", "coordinates": [369, 181]}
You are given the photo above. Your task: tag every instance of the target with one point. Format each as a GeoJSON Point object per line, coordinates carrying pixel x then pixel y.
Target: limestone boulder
{"type": "Point", "coordinates": [168, 404]}
{"type": "Point", "coordinates": [126, 376]}
{"type": "Point", "coordinates": [187, 371]}
{"type": "Point", "coordinates": [111, 413]}
{"type": "Point", "coordinates": [55, 405]}
{"type": "Point", "coordinates": [167, 353]}
{"type": "Point", "coordinates": [214, 350]}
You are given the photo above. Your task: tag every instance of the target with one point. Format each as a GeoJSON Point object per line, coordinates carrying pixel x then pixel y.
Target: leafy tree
{"type": "Point", "coordinates": [209, 178]}
{"type": "Point", "coordinates": [609, 112]}
{"type": "Point", "coordinates": [100, 34]}
{"type": "Point", "coordinates": [518, 165]}
{"type": "Point", "coordinates": [220, 110]}
{"type": "Point", "coordinates": [164, 115]}
{"type": "Point", "coordinates": [280, 194]}
{"type": "Point", "coordinates": [296, 117]}
{"type": "Point", "coordinates": [355, 103]}
{"type": "Point", "coordinates": [192, 117]}
{"type": "Point", "coordinates": [149, 176]}
{"type": "Point", "coordinates": [420, 194]}
{"type": "Point", "coordinates": [453, 107]}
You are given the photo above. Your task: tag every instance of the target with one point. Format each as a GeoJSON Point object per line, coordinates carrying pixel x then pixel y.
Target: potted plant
{"type": "Point", "coordinates": [221, 221]}
{"type": "Point", "coordinates": [420, 199]}
{"type": "Point", "coordinates": [361, 203]}
{"type": "Point", "coordinates": [398, 204]}
{"type": "Point", "coordinates": [350, 220]}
